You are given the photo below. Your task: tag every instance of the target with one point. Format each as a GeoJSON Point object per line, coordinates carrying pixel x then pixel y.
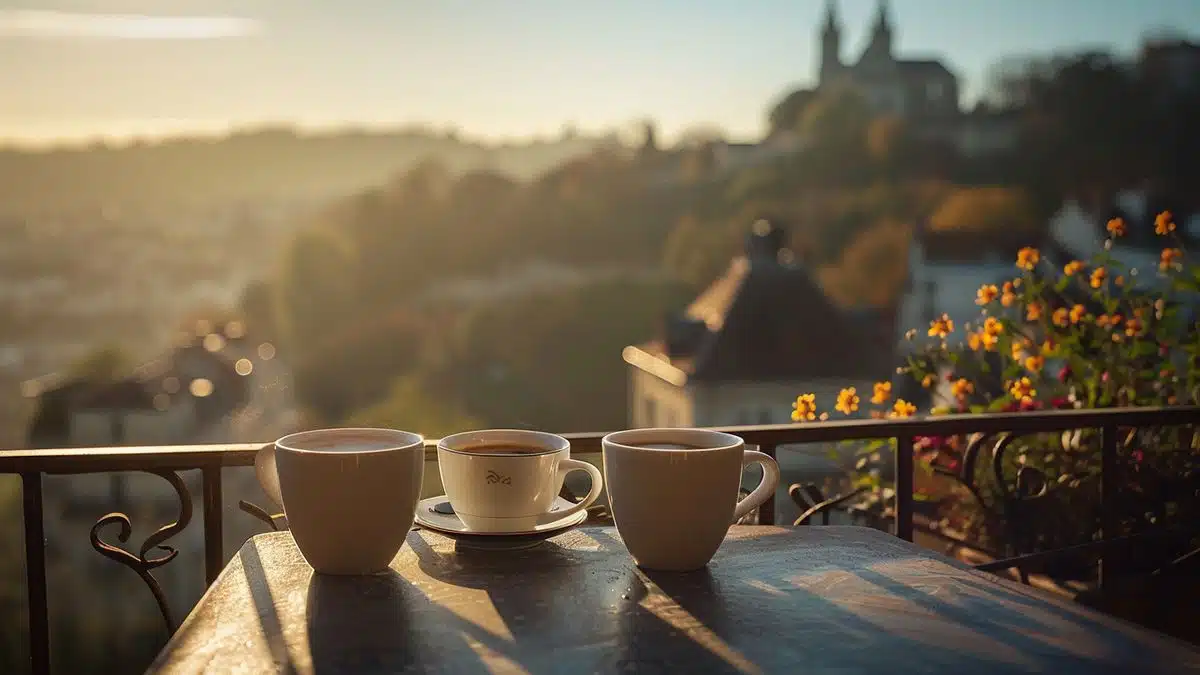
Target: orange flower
{"type": "Point", "coordinates": [1169, 258]}
{"type": "Point", "coordinates": [847, 401]}
{"type": "Point", "coordinates": [1034, 311]}
{"type": "Point", "coordinates": [1061, 317]}
{"type": "Point", "coordinates": [1008, 297]}
{"type": "Point", "coordinates": [1028, 258]}
{"type": "Point", "coordinates": [1116, 227]}
{"type": "Point", "coordinates": [992, 326]}
{"type": "Point", "coordinates": [1116, 337]}
{"type": "Point", "coordinates": [903, 409]}
{"type": "Point", "coordinates": [1018, 350]}
{"type": "Point", "coordinates": [1022, 389]}
{"type": "Point", "coordinates": [1164, 224]}
{"type": "Point", "coordinates": [1134, 327]}
{"type": "Point", "coordinates": [1119, 280]}
{"type": "Point", "coordinates": [986, 294]}
{"type": "Point", "coordinates": [1035, 363]}
{"type": "Point", "coordinates": [805, 408]}
{"type": "Point", "coordinates": [962, 388]}
{"type": "Point", "coordinates": [974, 341]}
{"type": "Point", "coordinates": [1077, 313]}
{"type": "Point", "coordinates": [988, 341]}
{"type": "Point", "coordinates": [1072, 268]}
{"type": "Point", "coordinates": [1098, 276]}
{"type": "Point", "coordinates": [941, 327]}
{"type": "Point", "coordinates": [928, 381]}
{"type": "Point", "coordinates": [883, 392]}
{"type": "Point", "coordinates": [1104, 321]}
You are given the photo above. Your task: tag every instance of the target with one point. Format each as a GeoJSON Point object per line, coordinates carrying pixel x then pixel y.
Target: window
{"type": "Point", "coordinates": [649, 412]}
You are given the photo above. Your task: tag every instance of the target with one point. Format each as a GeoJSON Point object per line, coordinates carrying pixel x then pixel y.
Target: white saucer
{"type": "Point", "coordinates": [436, 514]}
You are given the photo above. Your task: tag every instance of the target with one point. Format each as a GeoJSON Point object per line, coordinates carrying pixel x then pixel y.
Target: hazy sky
{"type": "Point", "coordinates": [74, 68]}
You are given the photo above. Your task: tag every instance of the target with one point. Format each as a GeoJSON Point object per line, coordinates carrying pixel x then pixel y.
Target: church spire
{"type": "Point", "coordinates": [879, 50]}
{"type": "Point", "coordinates": [831, 43]}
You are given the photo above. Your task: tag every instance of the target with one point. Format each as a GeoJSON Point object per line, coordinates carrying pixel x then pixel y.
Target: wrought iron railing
{"type": "Point", "coordinates": [209, 460]}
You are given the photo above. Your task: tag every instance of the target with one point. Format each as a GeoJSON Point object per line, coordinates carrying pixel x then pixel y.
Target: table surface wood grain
{"type": "Point", "coordinates": [812, 600]}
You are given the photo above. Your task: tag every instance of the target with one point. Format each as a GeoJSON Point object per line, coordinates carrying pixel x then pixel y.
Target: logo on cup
{"type": "Point", "coordinates": [493, 478]}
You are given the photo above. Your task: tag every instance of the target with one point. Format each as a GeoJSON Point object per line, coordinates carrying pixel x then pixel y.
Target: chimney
{"type": "Point", "coordinates": [765, 242]}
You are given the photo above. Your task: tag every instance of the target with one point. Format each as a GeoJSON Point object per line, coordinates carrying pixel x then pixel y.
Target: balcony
{"type": "Point", "coordinates": [992, 438]}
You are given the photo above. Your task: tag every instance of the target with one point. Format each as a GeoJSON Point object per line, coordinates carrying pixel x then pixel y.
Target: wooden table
{"type": "Point", "coordinates": [809, 600]}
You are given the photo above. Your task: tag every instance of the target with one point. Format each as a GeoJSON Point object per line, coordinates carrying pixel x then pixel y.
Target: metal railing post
{"type": "Point", "coordinates": [214, 534]}
{"type": "Point", "coordinates": [35, 573]}
{"type": "Point", "coordinates": [904, 487]}
{"type": "Point", "coordinates": [766, 512]}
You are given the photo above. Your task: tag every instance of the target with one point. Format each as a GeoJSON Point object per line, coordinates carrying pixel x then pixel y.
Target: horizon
{"type": "Point", "coordinates": [83, 72]}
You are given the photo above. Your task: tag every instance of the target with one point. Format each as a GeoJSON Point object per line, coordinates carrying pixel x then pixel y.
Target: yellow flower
{"type": "Point", "coordinates": [986, 294]}
{"type": "Point", "coordinates": [805, 408]}
{"type": "Point", "coordinates": [1061, 317]}
{"type": "Point", "coordinates": [1077, 313]}
{"type": "Point", "coordinates": [1116, 227]}
{"type": "Point", "coordinates": [903, 409]}
{"type": "Point", "coordinates": [847, 401]}
{"type": "Point", "coordinates": [1049, 348]}
{"type": "Point", "coordinates": [989, 341]}
{"type": "Point", "coordinates": [992, 326]}
{"type": "Point", "coordinates": [1072, 268]}
{"type": "Point", "coordinates": [1104, 321]}
{"type": "Point", "coordinates": [1169, 257]}
{"type": "Point", "coordinates": [1027, 258]}
{"type": "Point", "coordinates": [1098, 276]}
{"type": "Point", "coordinates": [1116, 337]}
{"type": "Point", "coordinates": [928, 381]}
{"type": "Point", "coordinates": [1008, 297]}
{"type": "Point", "coordinates": [1034, 311]}
{"type": "Point", "coordinates": [941, 327]}
{"type": "Point", "coordinates": [962, 388]}
{"type": "Point", "coordinates": [1164, 224]}
{"type": "Point", "coordinates": [1035, 363]}
{"type": "Point", "coordinates": [883, 392]}
{"type": "Point", "coordinates": [1022, 389]}
{"type": "Point", "coordinates": [1134, 327]}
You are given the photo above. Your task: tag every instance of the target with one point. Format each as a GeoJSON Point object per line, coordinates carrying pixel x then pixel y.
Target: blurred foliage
{"type": "Point", "coordinates": [988, 211]}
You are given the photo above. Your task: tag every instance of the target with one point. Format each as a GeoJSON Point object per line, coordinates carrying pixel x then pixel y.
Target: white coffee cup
{"type": "Point", "coordinates": [349, 494]}
{"type": "Point", "coordinates": [673, 493]}
{"type": "Point", "coordinates": [506, 480]}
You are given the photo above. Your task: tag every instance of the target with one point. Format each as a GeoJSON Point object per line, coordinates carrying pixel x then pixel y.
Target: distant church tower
{"type": "Point", "coordinates": [879, 50]}
{"type": "Point", "coordinates": [831, 44]}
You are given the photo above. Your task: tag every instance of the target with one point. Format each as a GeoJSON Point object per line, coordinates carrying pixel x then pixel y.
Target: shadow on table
{"type": "Point", "coordinates": [565, 609]}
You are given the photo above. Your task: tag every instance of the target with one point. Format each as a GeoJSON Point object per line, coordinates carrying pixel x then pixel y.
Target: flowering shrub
{"type": "Point", "coordinates": [1084, 335]}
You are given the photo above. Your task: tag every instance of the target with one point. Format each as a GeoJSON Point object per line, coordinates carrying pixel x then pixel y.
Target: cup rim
{"type": "Point", "coordinates": [551, 443]}
{"type": "Point", "coordinates": [621, 439]}
{"type": "Point", "coordinates": [399, 439]}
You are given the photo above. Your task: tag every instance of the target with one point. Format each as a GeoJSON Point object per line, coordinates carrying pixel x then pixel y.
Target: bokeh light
{"type": "Point", "coordinates": [213, 342]}
{"type": "Point", "coordinates": [266, 351]}
{"type": "Point", "coordinates": [200, 387]}
{"type": "Point", "coordinates": [243, 367]}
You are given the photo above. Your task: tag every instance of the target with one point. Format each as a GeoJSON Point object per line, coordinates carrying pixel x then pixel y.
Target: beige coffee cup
{"type": "Point", "coordinates": [673, 493]}
{"type": "Point", "coordinates": [506, 480]}
{"type": "Point", "coordinates": [349, 495]}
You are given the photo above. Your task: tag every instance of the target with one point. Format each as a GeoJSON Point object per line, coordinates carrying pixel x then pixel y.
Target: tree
{"type": "Point", "coordinates": [410, 406]}
{"type": "Point", "coordinates": [873, 268]}
{"type": "Point", "coordinates": [838, 120]}
{"type": "Point", "coordinates": [789, 111]}
{"type": "Point", "coordinates": [887, 139]}
{"type": "Point", "coordinates": [987, 211]}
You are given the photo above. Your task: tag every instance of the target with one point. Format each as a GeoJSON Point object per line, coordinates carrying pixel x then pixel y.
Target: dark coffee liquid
{"type": "Point", "coordinates": [666, 445]}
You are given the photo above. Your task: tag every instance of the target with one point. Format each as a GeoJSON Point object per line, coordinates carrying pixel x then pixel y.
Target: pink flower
{"type": "Point", "coordinates": [1064, 373]}
{"type": "Point", "coordinates": [1061, 402]}
{"type": "Point", "coordinates": [923, 443]}
{"type": "Point", "coordinates": [1104, 377]}
{"type": "Point", "coordinates": [1138, 456]}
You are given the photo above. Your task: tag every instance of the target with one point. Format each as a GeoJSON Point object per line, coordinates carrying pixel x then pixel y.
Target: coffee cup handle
{"type": "Point", "coordinates": [567, 466]}
{"type": "Point", "coordinates": [268, 474]}
{"type": "Point", "coordinates": [766, 488]}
